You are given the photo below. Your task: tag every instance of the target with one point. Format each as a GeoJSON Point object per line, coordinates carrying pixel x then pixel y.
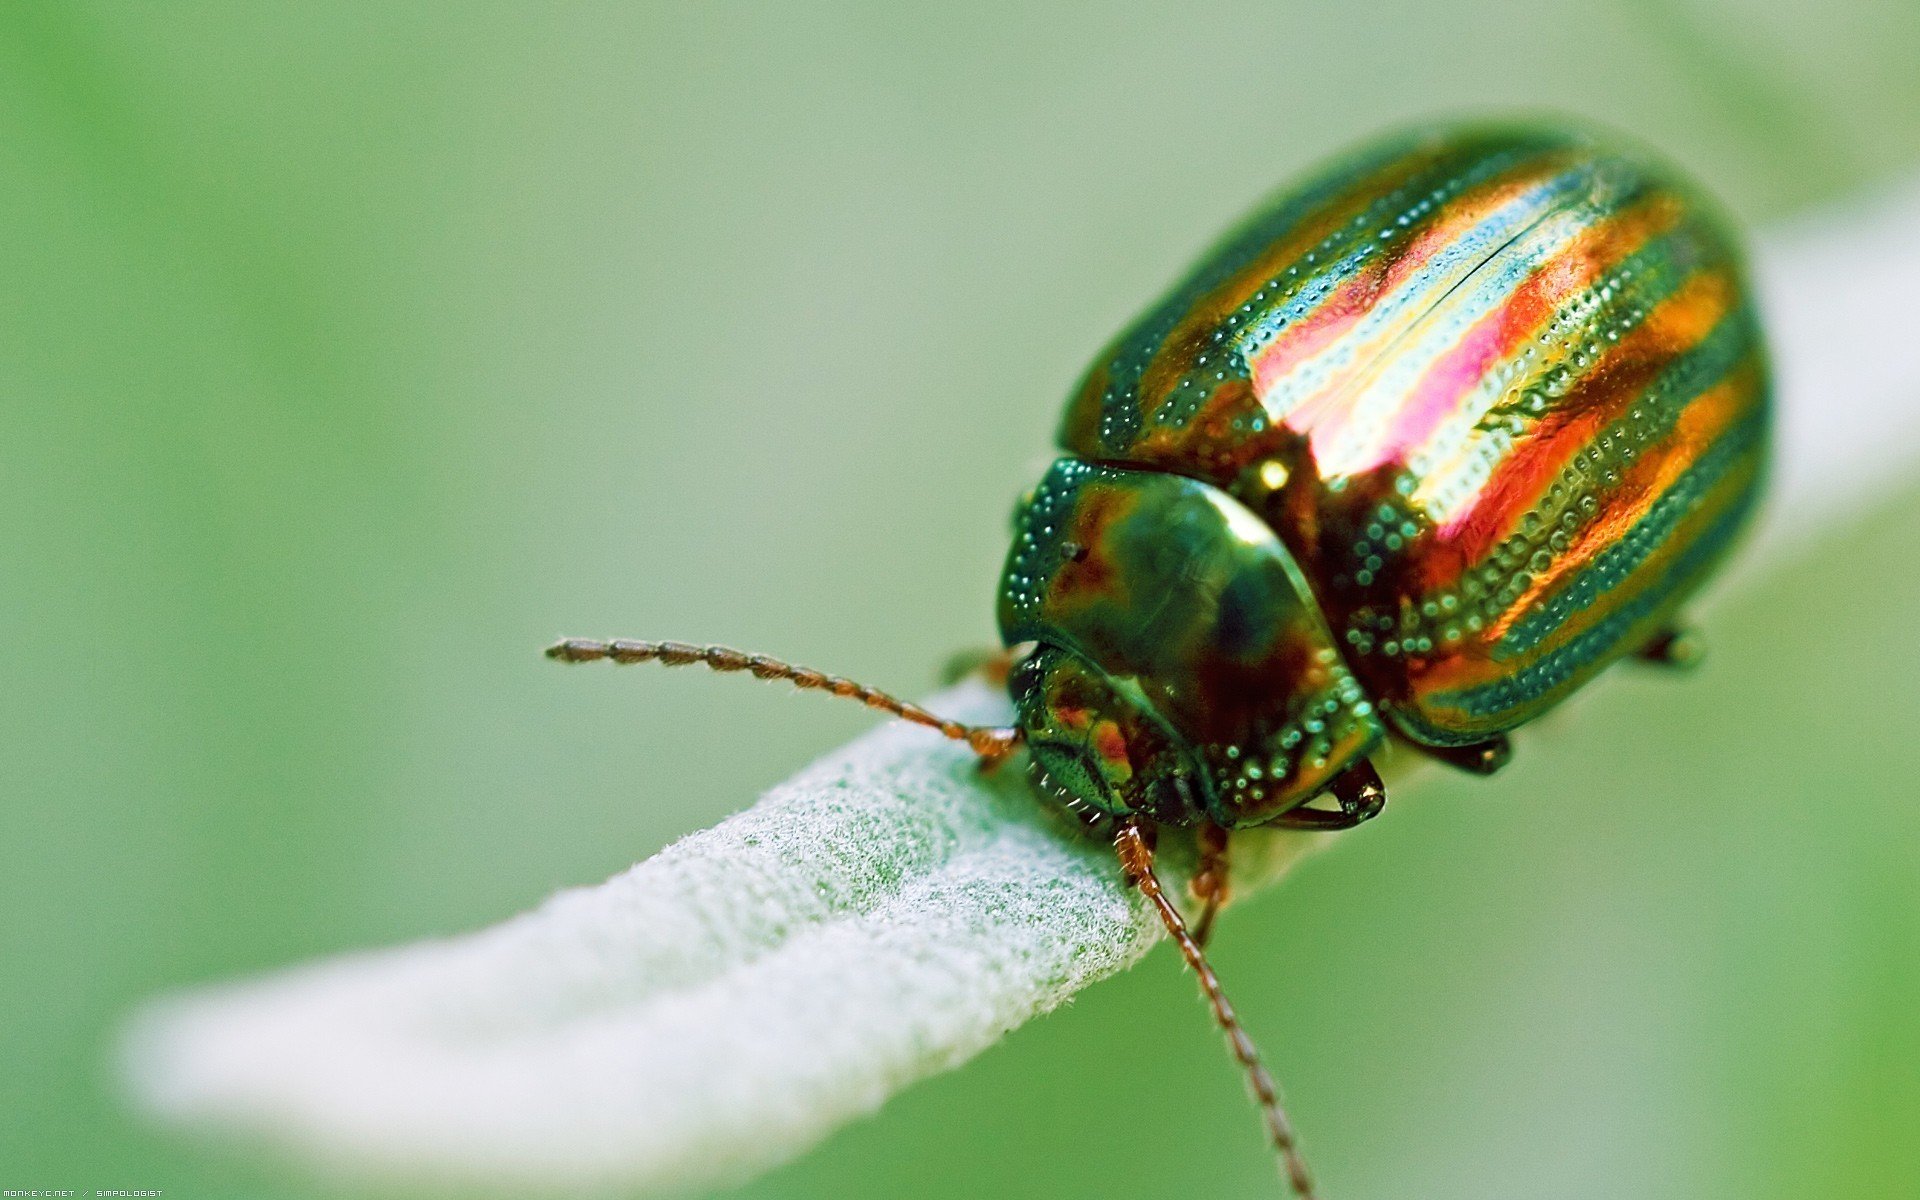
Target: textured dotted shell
{"type": "Point", "coordinates": [1500, 391]}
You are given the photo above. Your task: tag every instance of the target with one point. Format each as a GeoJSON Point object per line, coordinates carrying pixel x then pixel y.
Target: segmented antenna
{"type": "Point", "coordinates": [991, 743]}
{"type": "Point", "coordinates": [1136, 859]}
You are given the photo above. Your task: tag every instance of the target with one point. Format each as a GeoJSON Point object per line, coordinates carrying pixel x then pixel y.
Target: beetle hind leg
{"type": "Point", "coordinates": [1357, 790]}
{"type": "Point", "coordinates": [1678, 646]}
{"type": "Point", "coordinates": [1480, 758]}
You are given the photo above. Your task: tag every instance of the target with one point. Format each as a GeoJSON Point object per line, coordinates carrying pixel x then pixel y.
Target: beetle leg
{"type": "Point", "coordinates": [1209, 882]}
{"type": "Point", "coordinates": [1359, 792]}
{"type": "Point", "coordinates": [991, 665]}
{"type": "Point", "coordinates": [1675, 646]}
{"type": "Point", "coordinates": [1481, 758]}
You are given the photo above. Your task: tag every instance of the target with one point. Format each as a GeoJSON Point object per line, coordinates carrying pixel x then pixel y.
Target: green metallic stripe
{"type": "Point", "coordinates": [1474, 597]}
{"type": "Point", "coordinates": [1406, 326]}
{"type": "Point", "coordinates": [1736, 461]}
{"type": "Point", "coordinates": [1353, 246]}
{"type": "Point", "coordinates": [1639, 281]}
{"type": "Point", "coordinates": [1617, 564]}
{"type": "Point", "coordinates": [1718, 358]}
{"type": "Point", "coordinates": [1643, 280]}
{"type": "Point", "coordinates": [1589, 650]}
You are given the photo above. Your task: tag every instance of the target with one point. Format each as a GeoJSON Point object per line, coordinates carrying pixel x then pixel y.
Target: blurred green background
{"type": "Point", "coordinates": [349, 352]}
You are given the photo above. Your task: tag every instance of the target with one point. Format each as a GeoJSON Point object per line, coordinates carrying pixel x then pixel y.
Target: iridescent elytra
{"type": "Point", "coordinates": [1412, 454]}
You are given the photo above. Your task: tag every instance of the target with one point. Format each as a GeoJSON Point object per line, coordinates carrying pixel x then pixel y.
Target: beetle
{"type": "Point", "coordinates": [1411, 455]}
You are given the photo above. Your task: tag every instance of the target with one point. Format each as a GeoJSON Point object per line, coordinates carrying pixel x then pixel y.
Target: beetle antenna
{"type": "Point", "coordinates": [1136, 859]}
{"type": "Point", "coordinates": [992, 743]}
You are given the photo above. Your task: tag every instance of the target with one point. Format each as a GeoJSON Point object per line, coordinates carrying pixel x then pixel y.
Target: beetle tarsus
{"type": "Point", "coordinates": [1480, 758]}
{"type": "Point", "coordinates": [1679, 646]}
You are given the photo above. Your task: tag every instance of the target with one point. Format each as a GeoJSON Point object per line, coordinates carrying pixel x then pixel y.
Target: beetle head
{"type": "Point", "coordinates": [1097, 743]}
{"type": "Point", "coordinates": [1186, 668]}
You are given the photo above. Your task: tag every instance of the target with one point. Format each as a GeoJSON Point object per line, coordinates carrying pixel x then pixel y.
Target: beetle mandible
{"type": "Point", "coordinates": [1414, 453]}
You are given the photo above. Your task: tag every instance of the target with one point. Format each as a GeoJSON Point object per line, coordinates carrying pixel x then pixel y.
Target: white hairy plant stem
{"type": "Point", "coordinates": [884, 915]}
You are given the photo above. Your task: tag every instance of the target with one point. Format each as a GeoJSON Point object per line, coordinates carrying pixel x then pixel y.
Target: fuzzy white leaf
{"type": "Point", "coordinates": [884, 915]}
{"type": "Point", "coordinates": [1836, 288]}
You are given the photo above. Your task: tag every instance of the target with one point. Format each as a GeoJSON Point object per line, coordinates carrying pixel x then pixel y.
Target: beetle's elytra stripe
{"type": "Point", "coordinates": [1702, 391]}
{"type": "Point", "coordinates": [1638, 373]}
{"type": "Point", "coordinates": [1551, 677]}
{"type": "Point", "coordinates": [1715, 496]}
{"type": "Point", "coordinates": [1686, 447]}
{"type": "Point", "coordinates": [1433, 382]}
{"type": "Point", "coordinates": [1702, 488]}
{"type": "Point", "coordinates": [1615, 278]}
{"type": "Point", "coordinates": [1368, 315]}
{"type": "Point", "coordinates": [1536, 398]}
{"type": "Point", "coordinates": [1468, 379]}
{"type": "Point", "coordinates": [1286, 262]}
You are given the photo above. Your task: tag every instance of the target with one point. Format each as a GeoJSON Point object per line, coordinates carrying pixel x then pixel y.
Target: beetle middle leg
{"type": "Point", "coordinates": [1209, 882]}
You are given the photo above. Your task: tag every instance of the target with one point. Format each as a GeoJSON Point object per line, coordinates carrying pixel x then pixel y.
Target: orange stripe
{"type": "Point", "coordinates": [1350, 302]}
{"type": "Point", "coordinates": [1651, 478]}
{"type": "Point", "coordinates": [1621, 378]}
{"type": "Point", "coordinates": [1177, 351]}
